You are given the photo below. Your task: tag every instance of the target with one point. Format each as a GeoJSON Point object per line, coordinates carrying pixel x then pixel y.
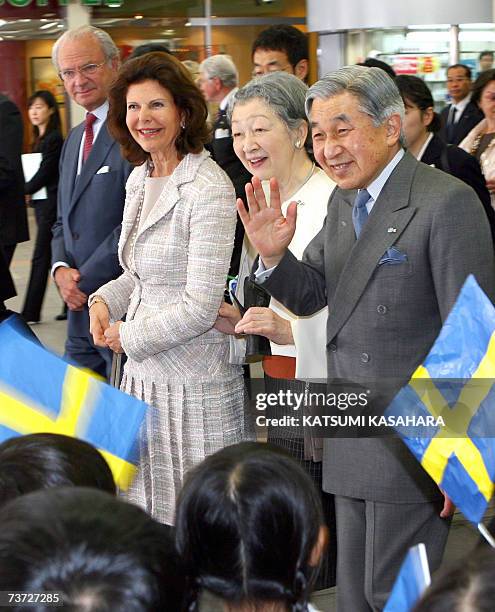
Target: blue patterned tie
{"type": "Point", "coordinates": [359, 211]}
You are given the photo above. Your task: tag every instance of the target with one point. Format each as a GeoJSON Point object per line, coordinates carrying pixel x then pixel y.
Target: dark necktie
{"type": "Point", "coordinates": [359, 211]}
{"type": "Point", "coordinates": [451, 125]}
{"type": "Point", "coordinates": [88, 135]}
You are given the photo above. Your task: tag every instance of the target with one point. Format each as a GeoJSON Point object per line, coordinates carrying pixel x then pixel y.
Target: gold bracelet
{"type": "Point", "coordinates": [96, 299]}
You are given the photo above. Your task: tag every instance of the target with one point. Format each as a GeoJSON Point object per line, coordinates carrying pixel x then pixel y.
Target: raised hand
{"type": "Point", "coordinates": [268, 230]}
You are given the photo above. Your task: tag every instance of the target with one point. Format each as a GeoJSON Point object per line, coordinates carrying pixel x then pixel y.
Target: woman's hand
{"type": "Point", "coordinates": [268, 230]}
{"type": "Point", "coordinates": [99, 323]}
{"type": "Point", "coordinates": [228, 317]}
{"type": "Point", "coordinates": [266, 322]}
{"type": "Point", "coordinates": [112, 337]}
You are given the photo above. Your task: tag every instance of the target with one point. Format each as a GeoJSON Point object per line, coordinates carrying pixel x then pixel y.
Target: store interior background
{"type": "Point", "coordinates": [28, 31]}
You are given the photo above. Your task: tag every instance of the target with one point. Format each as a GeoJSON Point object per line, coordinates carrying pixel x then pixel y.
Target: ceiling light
{"type": "Point", "coordinates": [188, 24]}
{"type": "Point", "coordinates": [138, 16]}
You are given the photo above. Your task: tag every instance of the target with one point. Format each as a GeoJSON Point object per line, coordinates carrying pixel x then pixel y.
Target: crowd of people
{"type": "Point", "coordinates": [343, 257]}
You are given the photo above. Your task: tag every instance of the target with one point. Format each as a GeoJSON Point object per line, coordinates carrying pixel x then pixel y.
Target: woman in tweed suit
{"type": "Point", "coordinates": [175, 247]}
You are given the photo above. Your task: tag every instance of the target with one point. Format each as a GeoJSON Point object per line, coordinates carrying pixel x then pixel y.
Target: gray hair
{"type": "Point", "coordinates": [377, 93]}
{"type": "Point", "coordinates": [222, 67]}
{"type": "Point", "coordinates": [109, 48]}
{"type": "Point", "coordinates": [282, 92]}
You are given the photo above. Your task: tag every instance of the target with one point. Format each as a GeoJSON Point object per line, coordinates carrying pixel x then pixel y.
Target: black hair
{"type": "Point", "coordinates": [484, 53]}
{"type": "Point", "coordinates": [481, 82]}
{"type": "Point", "coordinates": [54, 122]}
{"type": "Point", "coordinates": [416, 91]}
{"type": "Point", "coordinates": [285, 38]}
{"type": "Point", "coordinates": [467, 69]}
{"type": "Point", "coordinates": [371, 62]}
{"type": "Point", "coordinates": [98, 552]}
{"type": "Point", "coordinates": [248, 518]}
{"type": "Point", "coordinates": [467, 585]}
{"type": "Point", "coordinates": [149, 48]}
{"type": "Point", "coordinates": [45, 460]}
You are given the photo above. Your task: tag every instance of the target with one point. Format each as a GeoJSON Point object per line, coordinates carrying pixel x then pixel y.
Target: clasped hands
{"type": "Point", "coordinates": [104, 334]}
{"type": "Point", "coordinates": [260, 321]}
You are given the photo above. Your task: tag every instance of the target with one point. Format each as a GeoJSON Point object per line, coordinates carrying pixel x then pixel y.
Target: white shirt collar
{"type": "Point", "coordinates": [460, 106]}
{"type": "Point", "coordinates": [377, 185]}
{"type": "Point", "coordinates": [424, 147]}
{"type": "Point", "coordinates": [225, 102]}
{"type": "Point", "coordinates": [101, 112]}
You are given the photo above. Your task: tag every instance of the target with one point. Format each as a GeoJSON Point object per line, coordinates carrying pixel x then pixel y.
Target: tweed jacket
{"type": "Point", "coordinates": [386, 307]}
{"type": "Point", "coordinates": [180, 263]}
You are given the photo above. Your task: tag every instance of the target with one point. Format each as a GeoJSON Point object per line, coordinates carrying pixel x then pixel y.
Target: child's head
{"type": "Point", "coordinates": [45, 460]}
{"type": "Point", "coordinates": [96, 551]}
{"type": "Point", "coordinates": [250, 528]}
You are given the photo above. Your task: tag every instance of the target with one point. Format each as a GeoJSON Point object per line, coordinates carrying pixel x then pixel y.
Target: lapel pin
{"type": "Point", "coordinates": [392, 230]}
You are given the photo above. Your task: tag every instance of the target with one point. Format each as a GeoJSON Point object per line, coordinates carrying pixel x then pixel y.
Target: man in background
{"type": "Point", "coordinates": [281, 47]}
{"type": "Point", "coordinates": [13, 217]}
{"type": "Point", "coordinates": [91, 191]}
{"type": "Point", "coordinates": [486, 60]}
{"type": "Point", "coordinates": [459, 117]}
{"type": "Point", "coordinates": [218, 79]}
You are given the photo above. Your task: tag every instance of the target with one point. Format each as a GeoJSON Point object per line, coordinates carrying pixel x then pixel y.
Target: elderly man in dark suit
{"type": "Point", "coordinates": [389, 263]}
{"type": "Point", "coordinates": [13, 217]}
{"type": "Point", "coordinates": [218, 80]}
{"type": "Point", "coordinates": [460, 117]}
{"type": "Point", "coordinates": [91, 190]}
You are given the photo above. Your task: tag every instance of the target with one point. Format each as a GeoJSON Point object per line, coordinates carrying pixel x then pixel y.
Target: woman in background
{"type": "Point", "coordinates": [480, 141]}
{"type": "Point", "coordinates": [47, 139]}
{"type": "Point", "coordinates": [420, 124]}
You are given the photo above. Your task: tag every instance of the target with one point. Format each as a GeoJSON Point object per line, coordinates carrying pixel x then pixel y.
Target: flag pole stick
{"type": "Point", "coordinates": [486, 534]}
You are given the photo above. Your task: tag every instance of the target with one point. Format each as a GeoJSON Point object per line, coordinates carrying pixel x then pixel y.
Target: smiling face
{"type": "Point", "coordinates": [261, 140]}
{"type": "Point", "coordinates": [39, 113]}
{"type": "Point", "coordinates": [152, 117]}
{"type": "Point", "coordinates": [90, 91]}
{"type": "Point", "coordinates": [347, 145]}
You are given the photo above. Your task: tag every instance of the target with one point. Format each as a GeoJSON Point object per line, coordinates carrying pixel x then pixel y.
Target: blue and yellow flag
{"type": "Point", "coordinates": [41, 393]}
{"type": "Point", "coordinates": [411, 582]}
{"type": "Point", "coordinates": [453, 392]}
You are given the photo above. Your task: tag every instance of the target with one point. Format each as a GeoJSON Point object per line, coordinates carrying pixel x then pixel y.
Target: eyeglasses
{"type": "Point", "coordinates": [86, 71]}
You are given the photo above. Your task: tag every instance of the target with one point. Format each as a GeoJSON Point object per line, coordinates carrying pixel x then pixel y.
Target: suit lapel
{"type": "Point", "coordinates": [389, 217]}
{"type": "Point", "coordinates": [71, 158]}
{"type": "Point", "coordinates": [94, 162]}
{"type": "Point", "coordinates": [433, 152]}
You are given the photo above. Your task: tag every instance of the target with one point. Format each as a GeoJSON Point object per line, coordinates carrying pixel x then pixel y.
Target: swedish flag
{"type": "Point", "coordinates": [455, 386]}
{"type": "Point", "coordinates": [39, 392]}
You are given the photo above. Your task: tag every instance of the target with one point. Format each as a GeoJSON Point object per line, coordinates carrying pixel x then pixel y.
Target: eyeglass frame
{"type": "Point", "coordinates": [93, 68]}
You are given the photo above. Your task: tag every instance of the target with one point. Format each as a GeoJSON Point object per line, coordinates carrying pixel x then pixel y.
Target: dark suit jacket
{"type": "Point", "coordinates": [13, 217]}
{"type": "Point", "coordinates": [47, 176]}
{"type": "Point", "coordinates": [222, 151]}
{"type": "Point", "coordinates": [7, 289]}
{"type": "Point", "coordinates": [384, 317]}
{"type": "Point", "coordinates": [89, 215]}
{"type": "Point", "coordinates": [471, 116]}
{"type": "Point", "coordinates": [463, 166]}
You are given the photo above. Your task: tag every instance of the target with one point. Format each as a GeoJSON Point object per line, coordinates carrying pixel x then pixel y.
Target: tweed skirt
{"type": "Point", "coordinates": [186, 422]}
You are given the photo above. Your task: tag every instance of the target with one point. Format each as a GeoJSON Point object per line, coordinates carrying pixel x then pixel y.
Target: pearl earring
{"type": "Point", "coordinates": [298, 144]}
